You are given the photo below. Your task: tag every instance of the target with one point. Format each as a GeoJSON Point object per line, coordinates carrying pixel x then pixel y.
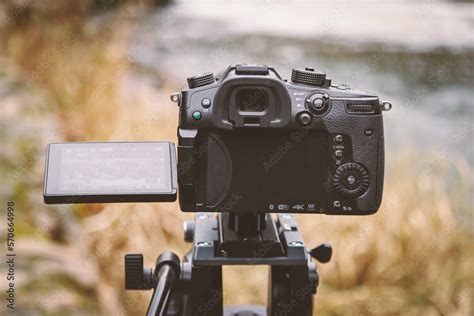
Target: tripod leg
{"type": "Point", "coordinates": [291, 291]}
{"type": "Point", "coordinates": [302, 290]}
{"type": "Point", "coordinates": [205, 296]}
{"type": "Point", "coordinates": [278, 289]}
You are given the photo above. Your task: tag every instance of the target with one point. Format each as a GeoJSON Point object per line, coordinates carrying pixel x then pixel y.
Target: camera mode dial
{"type": "Point", "coordinates": [308, 76]}
{"type": "Point", "coordinates": [201, 80]}
{"type": "Point", "coordinates": [351, 180]}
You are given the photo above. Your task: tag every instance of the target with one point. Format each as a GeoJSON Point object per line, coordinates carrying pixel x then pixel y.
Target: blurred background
{"type": "Point", "coordinates": [103, 70]}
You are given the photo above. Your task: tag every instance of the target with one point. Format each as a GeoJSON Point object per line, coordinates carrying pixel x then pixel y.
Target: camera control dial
{"type": "Point", "coordinates": [318, 103]}
{"type": "Point", "coordinates": [351, 180]}
{"type": "Point", "coordinates": [308, 76]}
{"type": "Point", "coordinates": [200, 80]}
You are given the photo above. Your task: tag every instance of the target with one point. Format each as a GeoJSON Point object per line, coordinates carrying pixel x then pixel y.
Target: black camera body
{"type": "Point", "coordinates": [252, 142]}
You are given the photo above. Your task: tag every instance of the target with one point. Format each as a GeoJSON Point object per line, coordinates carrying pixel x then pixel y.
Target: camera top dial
{"type": "Point", "coordinates": [201, 80]}
{"type": "Point", "coordinates": [308, 76]}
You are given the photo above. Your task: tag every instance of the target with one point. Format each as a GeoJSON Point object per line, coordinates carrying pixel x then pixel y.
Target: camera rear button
{"type": "Point", "coordinates": [368, 132]}
{"type": "Point", "coordinates": [206, 103]}
{"type": "Point", "coordinates": [197, 115]}
{"type": "Point", "coordinates": [304, 118]}
{"type": "Point", "coordinates": [339, 154]}
{"type": "Point", "coordinates": [338, 139]}
{"type": "Point", "coordinates": [351, 180]}
{"type": "Point", "coordinates": [318, 103]}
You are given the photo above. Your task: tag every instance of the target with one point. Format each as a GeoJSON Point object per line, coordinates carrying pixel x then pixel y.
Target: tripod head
{"type": "Point", "coordinates": [182, 288]}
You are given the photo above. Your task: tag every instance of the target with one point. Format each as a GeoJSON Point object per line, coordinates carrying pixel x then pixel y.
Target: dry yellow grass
{"type": "Point", "coordinates": [414, 257]}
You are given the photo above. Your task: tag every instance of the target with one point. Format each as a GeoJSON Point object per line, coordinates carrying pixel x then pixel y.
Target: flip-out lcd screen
{"type": "Point", "coordinates": [110, 172]}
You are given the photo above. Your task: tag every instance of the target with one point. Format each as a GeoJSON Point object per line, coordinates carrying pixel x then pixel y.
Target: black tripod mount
{"type": "Point", "coordinates": [193, 287]}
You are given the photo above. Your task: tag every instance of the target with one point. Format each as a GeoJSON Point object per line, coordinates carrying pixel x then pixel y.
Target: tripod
{"type": "Point", "coordinates": [194, 286]}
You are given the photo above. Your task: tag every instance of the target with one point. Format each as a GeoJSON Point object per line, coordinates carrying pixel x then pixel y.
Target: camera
{"type": "Point", "coordinates": [249, 144]}
{"type": "Point", "coordinates": [252, 142]}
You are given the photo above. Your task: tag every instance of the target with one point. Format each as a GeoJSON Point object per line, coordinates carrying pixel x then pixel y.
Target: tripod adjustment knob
{"type": "Point", "coordinates": [189, 227]}
{"type": "Point", "coordinates": [313, 277]}
{"type": "Point", "coordinates": [137, 277]}
{"type": "Point", "coordinates": [322, 253]}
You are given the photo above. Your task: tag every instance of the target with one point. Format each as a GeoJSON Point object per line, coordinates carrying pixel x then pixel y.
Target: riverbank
{"type": "Point", "coordinates": [108, 76]}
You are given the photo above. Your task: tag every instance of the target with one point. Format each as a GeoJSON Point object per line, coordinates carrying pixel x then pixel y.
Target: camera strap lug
{"type": "Point", "coordinates": [386, 106]}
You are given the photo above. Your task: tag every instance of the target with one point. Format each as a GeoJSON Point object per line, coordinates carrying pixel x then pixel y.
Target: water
{"type": "Point", "coordinates": [417, 55]}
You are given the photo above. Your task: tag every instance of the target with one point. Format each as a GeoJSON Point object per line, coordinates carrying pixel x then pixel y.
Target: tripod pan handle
{"type": "Point", "coordinates": [167, 271]}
